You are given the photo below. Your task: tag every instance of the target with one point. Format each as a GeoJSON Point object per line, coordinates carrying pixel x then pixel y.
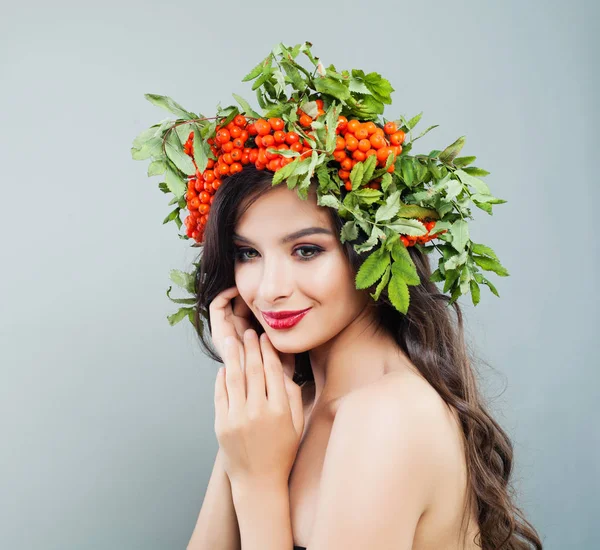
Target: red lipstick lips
{"type": "Point", "coordinates": [283, 319]}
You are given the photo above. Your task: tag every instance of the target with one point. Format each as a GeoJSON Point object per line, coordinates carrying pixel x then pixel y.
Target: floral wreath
{"type": "Point", "coordinates": [328, 124]}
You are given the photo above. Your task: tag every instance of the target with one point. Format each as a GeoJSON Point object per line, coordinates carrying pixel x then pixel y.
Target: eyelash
{"type": "Point", "coordinates": [239, 253]}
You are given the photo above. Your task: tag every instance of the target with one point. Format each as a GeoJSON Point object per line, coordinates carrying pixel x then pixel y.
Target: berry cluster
{"type": "Point", "coordinates": [241, 142]}
{"type": "Point", "coordinates": [359, 140]}
{"type": "Point", "coordinates": [411, 240]}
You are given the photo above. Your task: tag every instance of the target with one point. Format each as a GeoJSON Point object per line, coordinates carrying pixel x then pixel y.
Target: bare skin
{"type": "Point", "coordinates": [348, 355]}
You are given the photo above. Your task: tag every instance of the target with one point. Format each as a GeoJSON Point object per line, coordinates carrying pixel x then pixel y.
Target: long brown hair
{"type": "Point", "coordinates": [427, 334]}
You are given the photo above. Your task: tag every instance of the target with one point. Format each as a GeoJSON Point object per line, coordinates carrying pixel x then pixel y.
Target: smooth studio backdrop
{"type": "Point", "coordinates": [106, 411]}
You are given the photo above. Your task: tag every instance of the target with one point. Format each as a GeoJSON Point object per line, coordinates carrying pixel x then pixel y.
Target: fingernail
{"type": "Point", "coordinates": [229, 341]}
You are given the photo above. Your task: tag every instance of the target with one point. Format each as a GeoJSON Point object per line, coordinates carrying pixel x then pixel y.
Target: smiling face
{"type": "Point", "coordinates": [310, 270]}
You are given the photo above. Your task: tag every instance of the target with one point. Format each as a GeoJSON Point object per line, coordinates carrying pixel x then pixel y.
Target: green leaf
{"type": "Point", "coordinates": [174, 151]}
{"type": "Point", "coordinates": [157, 167]}
{"type": "Point", "coordinates": [475, 292]}
{"type": "Point", "coordinates": [258, 69]}
{"type": "Point", "coordinates": [388, 210]}
{"type": "Point", "coordinates": [407, 169]}
{"type": "Point", "coordinates": [483, 250]}
{"type": "Point", "coordinates": [489, 264]}
{"type": "Point", "coordinates": [151, 148]}
{"type": "Point", "coordinates": [398, 294]}
{"type": "Point", "coordinates": [294, 75]}
{"type": "Point", "coordinates": [175, 183]}
{"type": "Point", "coordinates": [357, 86]}
{"type": "Point", "coordinates": [372, 268]}
{"type": "Point", "coordinates": [413, 121]}
{"type": "Point", "coordinates": [406, 270]}
{"type": "Point", "coordinates": [451, 278]}
{"type": "Point", "coordinates": [479, 185]}
{"type": "Point", "coordinates": [408, 227]}
{"type": "Point", "coordinates": [474, 171]}
{"type": "Point", "coordinates": [329, 201]}
{"type": "Point", "coordinates": [463, 161]}
{"type": "Point", "coordinates": [367, 195]}
{"type": "Point", "coordinates": [349, 231]}
{"type": "Point", "coordinates": [329, 86]}
{"type": "Point", "coordinates": [183, 280]}
{"type": "Point", "coordinates": [384, 281]}
{"type": "Point", "coordinates": [386, 180]}
{"type": "Point", "coordinates": [246, 109]}
{"type": "Point", "coordinates": [181, 313]}
{"type": "Point", "coordinates": [455, 261]}
{"type": "Point", "coordinates": [187, 301]}
{"type": "Point", "coordinates": [169, 105]}
{"type": "Point", "coordinates": [356, 175]}
{"type": "Point", "coordinates": [331, 120]}
{"type": "Point", "coordinates": [172, 215]}
{"type": "Point", "coordinates": [460, 234]}
{"type": "Point", "coordinates": [450, 152]}
{"type": "Point", "coordinates": [201, 151]}
{"type": "Point", "coordinates": [369, 165]}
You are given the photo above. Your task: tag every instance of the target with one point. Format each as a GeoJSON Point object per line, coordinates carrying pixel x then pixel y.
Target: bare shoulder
{"type": "Point", "coordinates": [410, 412]}
{"type": "Point", "coordinates": [381, 465]}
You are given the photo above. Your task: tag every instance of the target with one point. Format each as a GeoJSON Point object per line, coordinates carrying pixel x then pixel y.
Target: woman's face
{"type": "Point", "coordinates": [307, 271]}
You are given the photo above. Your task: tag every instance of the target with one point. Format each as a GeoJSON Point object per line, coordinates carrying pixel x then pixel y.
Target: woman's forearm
{"type": "Point", "coordinates": [217, 525]}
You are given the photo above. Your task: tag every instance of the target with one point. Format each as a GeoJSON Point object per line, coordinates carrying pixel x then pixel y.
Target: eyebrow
{"type": "Point", "coordinates": [292, 236]}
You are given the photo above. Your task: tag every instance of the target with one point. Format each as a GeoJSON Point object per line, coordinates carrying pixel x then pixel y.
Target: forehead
{"type": "Point", "coordinates": [281, 211]}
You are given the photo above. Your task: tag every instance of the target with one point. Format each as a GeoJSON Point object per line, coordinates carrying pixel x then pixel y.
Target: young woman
{"type": "Point", "coordinates": [395, 448]}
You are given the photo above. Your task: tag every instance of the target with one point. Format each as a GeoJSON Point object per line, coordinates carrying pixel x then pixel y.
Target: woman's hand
{"type": "Point", "coordinates": [233, 320]}
{"type": "Point", "coordinates": [259, 417]}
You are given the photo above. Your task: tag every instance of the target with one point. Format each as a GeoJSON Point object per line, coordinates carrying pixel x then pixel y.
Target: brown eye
{"type": "Point", "coordinates": [314, 249]}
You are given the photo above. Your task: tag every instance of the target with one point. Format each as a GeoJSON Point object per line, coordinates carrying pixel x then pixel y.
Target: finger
{"type": "Point", "coordinates": [234, 377]}
{"type": "Point", "coordinates": [294, 393]}
{"type": "Point", "coordinates": [221, 399]}
{"type": "Point", "coordinates": [276, 393]}
{"type": "Point", "coordinates": [256, 393]}
{"type": "Point", "coordinates": [220, 311]}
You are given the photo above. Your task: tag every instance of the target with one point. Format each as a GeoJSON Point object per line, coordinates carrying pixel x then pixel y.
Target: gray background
{"type": "Point", "coordinates": [106, 411]}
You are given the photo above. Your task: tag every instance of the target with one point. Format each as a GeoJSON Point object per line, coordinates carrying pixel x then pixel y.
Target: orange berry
{"type": "Point", "coordinates": [359, 155]}
{"type": "Point", "coordinates": [291, 137]}
{"type": "Point", "coordinates": [276, 123]}
{"type": "Point", "coordinates": [351, 142]}
{"type": "Point", "coordinates": [339, 155]}
{"type": "Point", "coordinates": [377, 141]}
{"type": "Point", "coordinates": [364, 145]}
{"type": "Point", "coordinates": [268, 140]}
{"type": "Point", "coordinates": [390, 128]}
{"type": "Point", "coordinates": [279, 136]}
{"type": "Point", "coordinates": [340, 143]}
{"type": "Point", "coordinates": [346, 164]}
{"type": "Point", "coordinates": [371, 127]}
{"type": "Point", "coordinates": [344, 174]}
{"type": "Point", "coordinates": [223, 136]}
{"type": "Point", "coordinates": [305, 121]}
{"type": "Point", "coordinates": [353, 125]}
{"type": "Point", "coordinates": [361, 133]}
{"type": "Point", "coordinates": [227, 147]}
{"type": "Point", "coordinates": [235, 132]}
{"type": "Point", "coordinates": [240, 120]}
{"type": "Point", "coordinates": [397, 138]}
{"type": "Point", "coordinates": [262, 127]}
{"type": "Point", "coordinates": [342, 124]}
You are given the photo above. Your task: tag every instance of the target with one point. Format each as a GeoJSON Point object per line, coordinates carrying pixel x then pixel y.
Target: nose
{"type": "Point", "coordinates": [276, 281]}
